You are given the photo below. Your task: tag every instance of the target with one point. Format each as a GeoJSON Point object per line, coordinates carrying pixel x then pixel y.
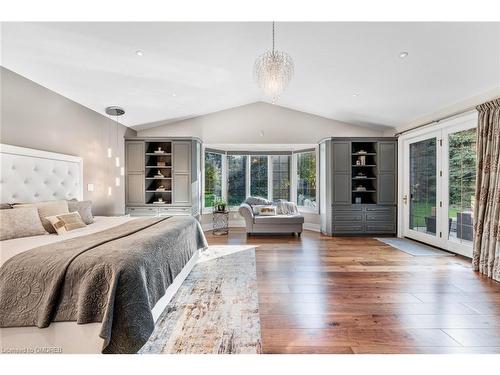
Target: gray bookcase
{"type": "Point", "coordinates": [360, 175]}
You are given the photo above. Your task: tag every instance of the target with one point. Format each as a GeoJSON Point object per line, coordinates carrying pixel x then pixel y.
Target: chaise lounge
{"type": "Point", "coordinates": [278, 223]}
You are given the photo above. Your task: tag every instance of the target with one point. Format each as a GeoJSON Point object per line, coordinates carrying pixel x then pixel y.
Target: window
{"type": "Point", "coordinates": [258, 176]}
{"type": "Point", "coordinates": [236, 182]}
{"type": "Point", "coordinates": [213, 178]}
{"type": "Point", "coordinates": [233, 177]}
{"type": "Point", "coordinates": [306, 179]}
{"type": "Point", "coordinates": [281, 177]}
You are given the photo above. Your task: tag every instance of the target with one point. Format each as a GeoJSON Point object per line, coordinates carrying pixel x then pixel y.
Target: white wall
{"type": "Point", "coordinates": [243, 125]}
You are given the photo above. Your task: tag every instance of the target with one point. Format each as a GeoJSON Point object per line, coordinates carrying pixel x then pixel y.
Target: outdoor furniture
{"type": "Point", "coordinates": [464, 226]}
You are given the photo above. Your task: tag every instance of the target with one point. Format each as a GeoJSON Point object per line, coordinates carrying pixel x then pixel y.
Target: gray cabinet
{"type": "Point", "coordinates": [181, 154]}
{"type": "Point", "coordinates": [362, 173]}
{"type": "Point", "coordinates": [134, 179]}
{"type": "Point", "coordinates": [341, 169]}
{"type": "Point", "coordinates": [387, 167]}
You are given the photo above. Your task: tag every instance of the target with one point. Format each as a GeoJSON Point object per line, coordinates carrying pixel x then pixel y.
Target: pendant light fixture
{"type": "Point", "coordinates": [273, 71]}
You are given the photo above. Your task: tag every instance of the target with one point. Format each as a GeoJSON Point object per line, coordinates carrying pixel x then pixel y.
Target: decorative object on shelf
{"type": "Point", "coordinates": [273, 71]}
{"type": "Point", "coordinates": [159, 174]}
{"type": "Point", "coordinates": [362, 160]}
{"type": "Point", "coordinates": [219, 205]}
{"type": "Point", "coordinates": [220, 223]}
{"type": "Point", "coordinates": [357, 200]}
{"type": "Point", "coordinates": [159, 151]}
{"type": "Point", "coordinates": [360, 175]}
{"type": "Point", "coordinates": [160, 163]}
{"type": "Point", "coordinates": [362, 152]}
{"type": "Point", "coordinates": [159, 201]}
{"type": "Point", "coordinates": [160, 188]}
{"type": "Point", "coordinates": [360, 188]}
{"type": "Point", "coordinates": [358, 162]}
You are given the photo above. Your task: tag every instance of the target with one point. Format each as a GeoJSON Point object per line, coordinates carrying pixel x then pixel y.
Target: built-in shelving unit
{"type": "Point", "coordinates": [158, 157]}
{"type": "Point", "coordinates": [364, 172]}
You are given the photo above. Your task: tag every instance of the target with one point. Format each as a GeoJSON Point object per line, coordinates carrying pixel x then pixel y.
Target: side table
{"type": "Point", "coordinates": [220, 223]}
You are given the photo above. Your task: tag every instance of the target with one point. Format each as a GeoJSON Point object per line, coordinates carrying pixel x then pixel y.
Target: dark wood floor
{"type": "Point", "coordinates": [357, 295]}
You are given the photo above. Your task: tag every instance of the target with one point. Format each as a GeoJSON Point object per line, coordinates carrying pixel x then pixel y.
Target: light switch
{"type": "Point", "coordinates": [90, 187]}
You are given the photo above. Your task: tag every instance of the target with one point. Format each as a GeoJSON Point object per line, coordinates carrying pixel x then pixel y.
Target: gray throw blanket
{"type": "Point", "coordinates": [115, 277]}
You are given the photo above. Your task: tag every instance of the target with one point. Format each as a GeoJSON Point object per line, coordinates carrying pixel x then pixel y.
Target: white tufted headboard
{"type": "Point", "coordinates": [28, 175]}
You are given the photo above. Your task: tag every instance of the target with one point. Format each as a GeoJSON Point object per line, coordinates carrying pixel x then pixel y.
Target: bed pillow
{"type": "Point", "coordinates": [66, 222]}
{"type": "Point", "coordinates": [22, 222]}
{"type": "Point", "coordinates": [84, 208]}
{"type": "Point", "coordinates": [46, 209]}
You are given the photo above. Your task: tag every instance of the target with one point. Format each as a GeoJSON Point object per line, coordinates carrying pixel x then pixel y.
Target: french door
{"type": "Point", "coordinates": [439, 171]}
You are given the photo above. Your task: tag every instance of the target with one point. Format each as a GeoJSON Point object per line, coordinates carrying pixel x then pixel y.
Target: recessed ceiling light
{"type": "Point", "coordinates": [139, 52]}
{"type": "Point", "coordinates": [355, 95]}
{"type": "Point", "coordinates": [403, 54]}
{"type": "Point", "coordinates": [174, 94]}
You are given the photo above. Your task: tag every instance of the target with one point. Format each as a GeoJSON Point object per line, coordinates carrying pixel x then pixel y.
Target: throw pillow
{"type": "Point", "coordinates": [66, 222]}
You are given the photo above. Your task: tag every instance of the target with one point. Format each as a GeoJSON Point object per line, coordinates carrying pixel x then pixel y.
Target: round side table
{"type": "Point", "coordinates": [220, 223]}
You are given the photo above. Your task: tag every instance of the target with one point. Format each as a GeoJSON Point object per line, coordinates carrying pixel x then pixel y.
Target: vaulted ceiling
{"type": "Point", "coordinates": [350, 72]}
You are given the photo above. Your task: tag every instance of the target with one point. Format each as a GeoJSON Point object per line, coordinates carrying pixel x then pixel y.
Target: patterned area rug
{"type": "Point", "coordinates": [216, 309]}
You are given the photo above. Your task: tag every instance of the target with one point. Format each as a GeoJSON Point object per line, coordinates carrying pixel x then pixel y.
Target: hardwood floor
{"type": "Point", "coordinates": [319, 294]}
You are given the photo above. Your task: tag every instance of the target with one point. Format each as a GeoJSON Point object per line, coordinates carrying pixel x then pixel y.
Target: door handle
{"type": "Point", "coordinates": [405, 199]}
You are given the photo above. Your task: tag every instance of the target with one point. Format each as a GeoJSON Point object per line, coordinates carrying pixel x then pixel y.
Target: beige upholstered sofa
{"type": "Point", "coordinates": [270, 224]}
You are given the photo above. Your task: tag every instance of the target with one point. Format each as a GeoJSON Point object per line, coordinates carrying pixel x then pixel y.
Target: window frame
{"type": "Point", "coordinates": [293, 176]}
{"type": "Point", "coordinates": [295, 179]}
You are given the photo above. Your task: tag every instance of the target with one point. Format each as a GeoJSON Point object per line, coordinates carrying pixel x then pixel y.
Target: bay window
{"type": "Point", "coordinates": [233, 176]}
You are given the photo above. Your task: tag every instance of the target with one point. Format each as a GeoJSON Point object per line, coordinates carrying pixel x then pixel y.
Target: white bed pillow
{"type": "Point", "coordinates": [22, 222]}
{"type": "Point", "coordinates": [46, 209]}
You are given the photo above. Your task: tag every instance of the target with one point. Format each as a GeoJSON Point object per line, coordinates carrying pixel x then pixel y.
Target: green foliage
{"type": "Point", "coordinates": [462, 168]}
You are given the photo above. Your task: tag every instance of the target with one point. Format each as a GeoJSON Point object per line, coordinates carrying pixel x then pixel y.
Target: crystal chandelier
{"type": "Point", "coordinates": [273, 71]}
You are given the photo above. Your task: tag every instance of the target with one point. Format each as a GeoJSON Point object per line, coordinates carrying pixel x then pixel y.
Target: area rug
{"type": "Point", "coordinates": [216, 310]}
{"type": "Point", "coordinates": [414, 248]}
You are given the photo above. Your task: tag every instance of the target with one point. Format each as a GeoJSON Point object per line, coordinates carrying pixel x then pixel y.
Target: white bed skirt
{"type": "Point", "coordinates": [72, 338]}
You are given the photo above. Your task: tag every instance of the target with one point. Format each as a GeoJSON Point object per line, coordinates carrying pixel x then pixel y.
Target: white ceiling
{"type": "Point", "coordinates": [208, 66]}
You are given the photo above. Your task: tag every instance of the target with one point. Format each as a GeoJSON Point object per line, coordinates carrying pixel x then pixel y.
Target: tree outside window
{"type": "Point", "coordinates": [213, 178]}
{"type": "Point", "coordinates": [258, 176]}
{"type": "Point", "coordinates": [236, 182]}
{"type": "Point", "coordinates": [306, 179]}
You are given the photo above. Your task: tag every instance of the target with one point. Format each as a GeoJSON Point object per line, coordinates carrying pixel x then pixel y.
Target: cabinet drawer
{"type": "Point", "coordinates": [380, 208]}
{"type": "Point", "coordinates": [349, 208]}
{"type": "Point", "coordinates": [347, 216]}
{"type": "Point", "coordinates": [142, 211]}
{"type": "Point", "coordinates": [380, 228]}
{"type": "Point", "coordinates": [174, 211]}
{"type": "Point", "coordinates": [380, 216]}
{"type": "Point", "coordinates": [347, 227]}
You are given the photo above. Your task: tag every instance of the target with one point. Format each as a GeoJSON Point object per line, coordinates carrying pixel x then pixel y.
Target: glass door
{"type": "Point", "coordinates": [421, 190]}
{"type": "Point", "coordinates": [439, 175]}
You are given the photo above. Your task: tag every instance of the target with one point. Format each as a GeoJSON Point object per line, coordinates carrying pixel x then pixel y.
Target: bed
{"type": "Point", "coordinates": [97, 289]}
